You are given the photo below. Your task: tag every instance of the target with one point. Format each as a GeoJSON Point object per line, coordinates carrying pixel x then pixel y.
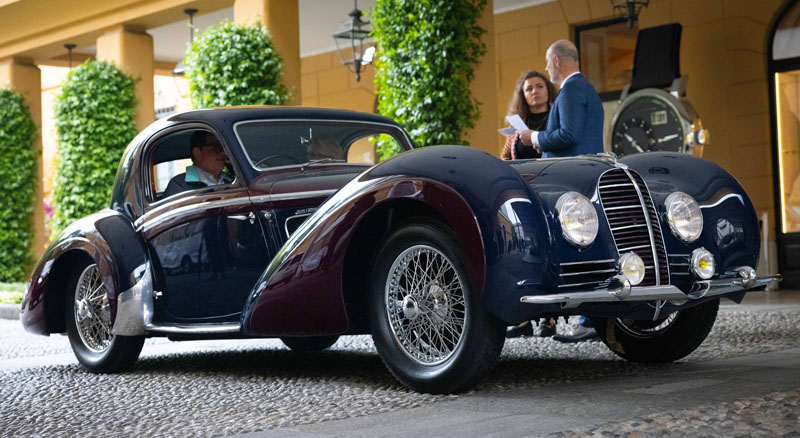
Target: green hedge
{"type": "Point", "coordinates": [18, 182]}
{"type": "Point", "coordinates": [94, 118]}
{"type": "Point", "coordinates": [232, 64]}
{"type": "Point", "coordinates": [426, 59]}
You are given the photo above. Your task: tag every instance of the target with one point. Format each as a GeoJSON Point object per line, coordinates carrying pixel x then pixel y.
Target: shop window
{"type": "Point", "coordinates": [606, 51]}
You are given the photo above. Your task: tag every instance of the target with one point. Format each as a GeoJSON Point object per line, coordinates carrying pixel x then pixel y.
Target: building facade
{"type": "Point", "coordinates": [742, 59]}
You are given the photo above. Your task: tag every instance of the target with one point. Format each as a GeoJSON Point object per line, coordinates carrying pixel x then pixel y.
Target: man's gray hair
{"type": "Point", "coordinates": [564, 49]}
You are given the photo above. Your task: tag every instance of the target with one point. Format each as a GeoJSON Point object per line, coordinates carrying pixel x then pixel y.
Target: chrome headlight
{"type": "Point", "coordinates": [578, 218]}
{"type": "Point", "coordinates": [684, 216]}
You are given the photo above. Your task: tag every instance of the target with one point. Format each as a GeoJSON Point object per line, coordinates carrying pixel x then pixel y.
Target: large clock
{"type": "Point", "coordinates": [652, 119]}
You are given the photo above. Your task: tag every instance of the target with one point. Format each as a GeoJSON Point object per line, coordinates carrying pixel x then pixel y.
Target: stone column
{"type": "Point", "coordinates": [131, 50]}
{"type": "Point", "coordinates": [485, 88]}
{"type": "Point", "coordinates": [282, 20]}
{"type": "Point", "coordinates": [22, 76]}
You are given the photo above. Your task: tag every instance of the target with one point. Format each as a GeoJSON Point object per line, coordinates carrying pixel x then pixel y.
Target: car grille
{"type": "Point", "coordinates": [586, 275]}
{"type": "Point", "coordinates": [634, 222]}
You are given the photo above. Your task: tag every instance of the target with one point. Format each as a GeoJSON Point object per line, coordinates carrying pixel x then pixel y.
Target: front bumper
{"type": "Point", "coordinates": [737, 280]}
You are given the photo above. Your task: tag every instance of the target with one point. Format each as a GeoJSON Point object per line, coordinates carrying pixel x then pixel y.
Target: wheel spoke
{"type": "Point", "coordinates": [425, 280]}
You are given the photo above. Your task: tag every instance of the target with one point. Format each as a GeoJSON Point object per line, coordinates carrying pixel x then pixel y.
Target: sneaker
{"type": "Point", "coordinates": [524, 329]}
{"type": "Point", "coordinates": [545, 330]}
{"type": "Point", "coordinates": [579, 334]}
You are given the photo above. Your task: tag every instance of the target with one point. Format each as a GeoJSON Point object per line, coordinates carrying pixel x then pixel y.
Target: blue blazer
{"type": "Point", "coordinates": [575, 124]}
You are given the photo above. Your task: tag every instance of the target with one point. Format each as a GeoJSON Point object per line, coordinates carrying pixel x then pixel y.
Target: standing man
{"type": "Point", "coordinates": [575, 127]}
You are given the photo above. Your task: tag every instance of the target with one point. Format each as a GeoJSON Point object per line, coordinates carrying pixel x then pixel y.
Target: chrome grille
{"type": "Point", "coordinates": [586, 275]}
{"type": "Point", "coordinates": [634, 223]}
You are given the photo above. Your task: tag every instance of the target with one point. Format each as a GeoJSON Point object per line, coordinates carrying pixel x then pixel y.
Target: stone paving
{"type": "Point", "coordinates": [255, 385]}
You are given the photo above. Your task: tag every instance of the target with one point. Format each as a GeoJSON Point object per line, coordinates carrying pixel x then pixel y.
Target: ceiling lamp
{"type": "Point", "coordinates": [180, 68]}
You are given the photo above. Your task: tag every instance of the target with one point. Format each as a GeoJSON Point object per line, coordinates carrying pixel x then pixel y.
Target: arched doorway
{"type": "Point", "coordinates": [783, 58]}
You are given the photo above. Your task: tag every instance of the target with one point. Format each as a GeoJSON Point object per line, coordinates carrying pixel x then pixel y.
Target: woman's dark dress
{"type": "Point", "coordinates": [537, 122]}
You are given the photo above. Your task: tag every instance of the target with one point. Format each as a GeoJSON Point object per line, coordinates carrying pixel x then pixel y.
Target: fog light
{"type": "Point", "coordinates": [631, 267]}
{"type": "Point", "coordinates": [703, 264]}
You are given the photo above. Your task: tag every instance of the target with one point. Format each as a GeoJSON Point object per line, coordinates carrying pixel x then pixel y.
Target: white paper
{"type": "Point", "coordinates": [516, 121]}
{"type": "Point", "coordinates": [508, 132]}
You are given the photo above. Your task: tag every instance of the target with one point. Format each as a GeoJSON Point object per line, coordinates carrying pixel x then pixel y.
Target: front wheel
{"type": "Point", "coordinates": [664, 340]}
{"type": "Point", "coordinates": [428, 327]}
{"type": "Point", "coordinates": [88, 320]}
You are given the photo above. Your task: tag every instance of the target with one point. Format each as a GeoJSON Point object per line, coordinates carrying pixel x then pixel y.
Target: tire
{"type": "Point", "coordinates": [661, 341]}
{"type": "Point", "coordinates": [427, 324]}
{"type": "Point", "coordinates": [88, 321]}
{"type": "Point", "coordinates": [309, 343]}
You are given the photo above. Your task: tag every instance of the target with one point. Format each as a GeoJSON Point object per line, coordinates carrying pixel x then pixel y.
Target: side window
{"type": "Point", "coordinates": [172, 155]}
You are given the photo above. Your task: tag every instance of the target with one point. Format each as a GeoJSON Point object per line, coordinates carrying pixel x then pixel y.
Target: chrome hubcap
{"type": "Point", "coordinates": [425, 304]}
{"type": "Point", "coordinates": [91, 310]}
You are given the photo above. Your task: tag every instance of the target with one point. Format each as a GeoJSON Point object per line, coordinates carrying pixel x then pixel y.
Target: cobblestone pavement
{"type": "Point", "coordinates": [247, 386]}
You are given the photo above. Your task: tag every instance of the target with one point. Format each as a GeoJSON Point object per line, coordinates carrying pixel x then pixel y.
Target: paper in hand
{"type": "Point", "coordinates": [516, 122]}
{"type": "Point", "coordinates": [508, 132]}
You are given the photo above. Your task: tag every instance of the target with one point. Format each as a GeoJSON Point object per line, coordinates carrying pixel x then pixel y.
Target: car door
{"type": "Point", "coordinates": [206, 246]}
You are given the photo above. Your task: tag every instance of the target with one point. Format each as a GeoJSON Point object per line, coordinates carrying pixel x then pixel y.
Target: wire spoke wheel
{"type": "Point", "coordinates": [425, 304]}
{"type": "Point", "coordinates": [91, 310]}
{"type": "Point", "coordinates": [645, 328]}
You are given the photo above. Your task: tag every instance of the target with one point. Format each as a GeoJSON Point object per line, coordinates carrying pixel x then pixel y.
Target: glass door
{"type": "Point", "coordinates": [787, 112]}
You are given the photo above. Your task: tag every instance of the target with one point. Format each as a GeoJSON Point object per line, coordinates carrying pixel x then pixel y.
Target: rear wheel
{"type": "Point", "coordinates": [309, 343]}
{"type": "Point", "coordinates": [428, 327]}
{"type": "Point", "coordinates": [88, 318]}
{"type": "Point", "coordinates": [664, 340]}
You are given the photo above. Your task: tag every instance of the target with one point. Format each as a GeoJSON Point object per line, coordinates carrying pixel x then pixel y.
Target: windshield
{"type": "Point", "coordinates": [269, 144]}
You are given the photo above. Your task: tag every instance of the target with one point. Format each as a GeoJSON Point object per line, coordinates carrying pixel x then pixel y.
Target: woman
{"type": "Point", "coordinates": [532, 98]}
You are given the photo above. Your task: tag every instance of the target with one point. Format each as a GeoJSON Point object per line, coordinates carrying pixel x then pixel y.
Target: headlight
{"type": "Point", "coordinates": [631, 266]}
{"type": "Point", "coordinates": [684, 216]}
{"type": "Point", "coordinates": [703, 264]}
{"type": "Point", "coordinates": [578, 218]}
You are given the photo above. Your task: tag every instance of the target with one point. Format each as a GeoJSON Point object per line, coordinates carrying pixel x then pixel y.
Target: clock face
{"type": "Point", "coordinates": [647, 123]}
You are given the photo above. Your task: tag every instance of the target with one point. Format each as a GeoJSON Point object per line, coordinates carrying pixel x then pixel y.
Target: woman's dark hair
{"type": "Point", "coordinates": [517, 104]}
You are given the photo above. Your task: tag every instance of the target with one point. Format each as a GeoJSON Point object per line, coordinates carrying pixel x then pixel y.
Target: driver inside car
{"type": "Point", "coordinates": [208, 165]}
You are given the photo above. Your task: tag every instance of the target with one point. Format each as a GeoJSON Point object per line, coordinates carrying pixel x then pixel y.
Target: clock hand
{"type": "Point", "coordinates": [633, 143]}
{"type": "Point", "coordinates": [667, 138]}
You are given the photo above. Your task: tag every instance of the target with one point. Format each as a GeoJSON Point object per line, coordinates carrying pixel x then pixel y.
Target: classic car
{"type": "Point", "coordinates": [433, 252]}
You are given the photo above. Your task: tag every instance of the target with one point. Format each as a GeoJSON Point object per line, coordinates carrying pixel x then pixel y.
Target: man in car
{"type": "Point", "coordinates": [208, 163]}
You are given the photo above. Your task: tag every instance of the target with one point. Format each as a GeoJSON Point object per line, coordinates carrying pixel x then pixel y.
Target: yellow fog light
{"type": "Point", "coordinates": [631, 266]}
{"type": "Point", "coordinates": [703, 264]}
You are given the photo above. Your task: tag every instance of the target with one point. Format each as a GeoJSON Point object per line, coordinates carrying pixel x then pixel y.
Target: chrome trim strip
{"type": "Point", "coordinates": [572, 274]}
{"type": "Point", "coordinates": [297, 195]}
{"type": "Point", "coordinates": [624, 207]}
{"type": "Point", "coordinates": [627, 227]}
{"type": "Point", "coordinates": [141, 224]}
{"type": "Point", "coordinates": [633, 247]}
{"type": "Point", "coordinates": [579, 284]}
{"type": "Point", "coordinates": [588, 262]}
{"type": "Point", "coordinates": [649, 227]}
{"type": "Point", "coordinates": [195, 329]}
{"type": "Point", "coordinates": [135, 305]}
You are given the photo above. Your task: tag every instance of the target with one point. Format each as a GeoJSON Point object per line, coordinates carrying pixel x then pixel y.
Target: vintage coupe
{"type": "Point", "coordinates": [433, 251]}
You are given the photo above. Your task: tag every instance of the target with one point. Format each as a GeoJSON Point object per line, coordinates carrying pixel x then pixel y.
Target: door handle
{"type": "Point", "coordinates": [240, 217]}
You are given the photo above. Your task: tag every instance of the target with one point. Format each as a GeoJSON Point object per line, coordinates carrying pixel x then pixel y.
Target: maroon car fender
{"type": "Point", "coordinates": [109, 240]}
{"type": "Point", "coordinates": [300, 293]}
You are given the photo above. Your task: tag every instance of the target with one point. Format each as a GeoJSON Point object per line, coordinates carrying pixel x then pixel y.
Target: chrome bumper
{"type": "Point", "coordinates": [734, 281]}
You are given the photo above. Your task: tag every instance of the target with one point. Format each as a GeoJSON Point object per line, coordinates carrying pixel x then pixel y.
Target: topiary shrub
{"type": "Point", "coordinates": [427, 52]}
{"type": "Point", "coordinates": [232, 64]}
{"type": "Point", "coordinates": [17, 182]}
{"type": "Point", "coordinates": [94, 118]}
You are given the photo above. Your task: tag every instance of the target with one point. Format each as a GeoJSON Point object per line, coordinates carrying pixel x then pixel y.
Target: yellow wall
{"type": "Point", "coordinates": [329, 84]}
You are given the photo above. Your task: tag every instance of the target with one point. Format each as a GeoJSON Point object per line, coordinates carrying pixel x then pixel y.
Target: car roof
{"type": "Point", "coordinates": [234, 114]}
